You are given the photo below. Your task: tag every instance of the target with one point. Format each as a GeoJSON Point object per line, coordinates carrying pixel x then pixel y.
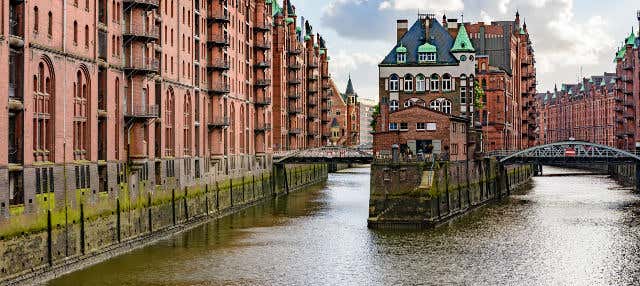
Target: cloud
{"type": "Point", "coordinates": [423, 5]}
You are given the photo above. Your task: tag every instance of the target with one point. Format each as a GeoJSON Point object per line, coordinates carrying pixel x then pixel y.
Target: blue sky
{"type": "Point", "coordinates": [567, 34]}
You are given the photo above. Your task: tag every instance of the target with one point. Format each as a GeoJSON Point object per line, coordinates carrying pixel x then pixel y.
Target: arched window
{"type": "Point", "coordinates": [36, 19]}
{"type": "Point", "coordinates": [446, 82]}
{"type": "Point", "coordinates": [50, 24]}
{"type": "Point", "coordinates": [441, 104]}
{"type": "Point", "coordinates": [394, 83]}
{"type": "Point", "coordinates": [43, 126]}
{"type": "Point", "coordinates": [75, 32]}
{"type": "Point", "coordinates": [393, 105]}
{"type": "Point", "coordinates": [187, 124]}
{"type": "Point", "coordinates": [81, 116]}
{"type": "Point", "coordinates": [420, 83]}
{"type": "Point", "coordinates": [408, 82]}
{"type": "Point", "coordinates": [168, 124]}
{"type": "Point", "coordinates": [435, 82]}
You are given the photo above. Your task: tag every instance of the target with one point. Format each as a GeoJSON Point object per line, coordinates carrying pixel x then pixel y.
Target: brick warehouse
{"type": "Point", "coordinates": [437, 65]}
{"type": "Point", "coordinates": [135, 94]}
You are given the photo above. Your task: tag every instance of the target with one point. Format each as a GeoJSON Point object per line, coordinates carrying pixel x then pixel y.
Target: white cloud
{"type": "Point", "coordinates": [503, 5]}
{"type": "Point", "coordinates": [423, 5]}
{"type": "Point", "coordinates": [485, 17]}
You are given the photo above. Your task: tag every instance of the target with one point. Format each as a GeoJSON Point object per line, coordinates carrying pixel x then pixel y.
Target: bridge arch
{"type": "Point", "coordinates": [569, 152]}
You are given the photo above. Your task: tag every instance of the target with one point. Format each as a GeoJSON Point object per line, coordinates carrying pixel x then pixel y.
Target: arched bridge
{"type": "Point", "coordinates": [337, 155]}
{"type": "Point", "coordinates": [567, 153]}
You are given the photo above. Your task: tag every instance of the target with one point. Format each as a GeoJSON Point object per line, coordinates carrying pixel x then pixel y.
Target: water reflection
{"type": "Point", "coordinates": [575, 230]}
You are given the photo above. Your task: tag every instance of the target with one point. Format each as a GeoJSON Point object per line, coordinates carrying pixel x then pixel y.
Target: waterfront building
{"type": "Point", "coordinates": [585, 111]}
{"type": "Point", "coordinates": [367, 109]}
{"type": "Point", "coordinates": [507, 74]}
{"type": "Point", "coordinates": [131, 95]}
{"type": "Point", "coordinates": [627, 92]}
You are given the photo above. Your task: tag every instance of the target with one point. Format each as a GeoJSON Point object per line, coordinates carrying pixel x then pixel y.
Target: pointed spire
{"type": "Point", "coordinates": [462, 43]}
{"type": "Point", "coordinates": [350, 89]}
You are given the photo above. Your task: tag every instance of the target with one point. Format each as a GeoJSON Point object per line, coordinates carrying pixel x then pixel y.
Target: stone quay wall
{"type": "Point", "coordinates": [40, 246]}
{"type": "Point", "coordinates": [423, 195]}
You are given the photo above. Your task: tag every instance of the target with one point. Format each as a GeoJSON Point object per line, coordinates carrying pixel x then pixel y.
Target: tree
{"type": "Point", "coordinates": [374, 116]}
{"type": "Point", "coordinates": [478, 93]}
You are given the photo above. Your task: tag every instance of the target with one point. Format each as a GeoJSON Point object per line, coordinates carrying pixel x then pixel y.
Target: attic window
{"type": "Point", "coordinates": [402, 58]}
{"type": "Point", "coordinates": [426, 57]}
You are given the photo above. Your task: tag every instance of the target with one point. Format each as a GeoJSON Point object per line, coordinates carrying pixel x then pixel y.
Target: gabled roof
{"type": "Point", "coordinates": [462, 43]}
{"type": "Point", "coordinates": [275, 8]}
{"type": "Point", "coordinates": [415, 37]}
{"type": "Point", "coordinates": [631, 40]}
{"type": "Point", "coordinates": [350, 89]}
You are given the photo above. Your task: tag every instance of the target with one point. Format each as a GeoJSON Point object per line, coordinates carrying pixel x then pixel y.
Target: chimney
{"type": "Point", "coordinates": [403, 27]}
{"type": "Point", "coordinates": [426, 23]}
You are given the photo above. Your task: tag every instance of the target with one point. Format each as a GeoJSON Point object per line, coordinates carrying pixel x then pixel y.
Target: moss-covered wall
{"type": "Point", "coordinates": [66, 233]}
{"type": "Point", "coordinates": [416, 195]}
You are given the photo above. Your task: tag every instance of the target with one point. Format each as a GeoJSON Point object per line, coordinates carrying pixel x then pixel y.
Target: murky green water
{"type": "Point", "coordinates": [567, 230]}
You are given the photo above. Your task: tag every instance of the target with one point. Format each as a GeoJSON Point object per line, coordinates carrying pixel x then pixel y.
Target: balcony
{"type": "Point", "coordinates": [148, 4]}
{"type": "Point", "coordinates": [263, 64]}
{"type": "Point", "coordinates": [261, 27]}
{"type": "Point", "coordinates": [218, 40]}
{"type": "Point", "coordinates": [142, 112]}
{"type": "Point", "coordinates": [218, 16]}
{"type": "Point", "coordinates": [218, 89]}
{"type": "Point", "coordinates": [630, 115]}
{"type": "Point", "coordinates": [218, 64]}
{"type": "Point", "coordinates": [262, 101]}
{"type": "Point", "coordinates": [135, 32]}
{"type": "Point", "coordinates": [313, 64]}
{"type": "Point", "coordinates": [295, 131]}
{"type": "Point", "coordinates": [326, 86]}
{"type": "Point", "coordinates": [294, 51]}
{"type": "Point", "coordinates": [627, 66]}
{"type": "Point", "coordinates": [293, 110]}
{"type": "Point", "coordinates": [263, 82]}
{"type": "Point", "coordinates": [262, 127]}
{"type": "Point", "coordinates": [312, 133]}
{"type": "Point", "coordinates": [629, 103]}
{"type": "Point", "coordinates": [262, 45]}
{"type": "Point", "coordinates": [312, 90]}
{"type": "Point", "coordinates": [294, 81]}
{"type": "Point", "coordinates": [141, 65]}
{"type": "Point", "coordinates": [219, 122]}
{"type": "Point", "coordinates": [293, 95]}
{"type": "Point", "coordinates": [294, 66]}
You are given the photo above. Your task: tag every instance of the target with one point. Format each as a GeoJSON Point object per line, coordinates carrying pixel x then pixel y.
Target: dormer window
{"type": "Point", "coordinates": [431, 57]}
{"type": "Point", "coordinates": [402, 58]}
{"type": "Point", "coordinates": [427, 53]}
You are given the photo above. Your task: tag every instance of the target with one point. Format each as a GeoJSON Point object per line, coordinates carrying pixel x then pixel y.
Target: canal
{"type": "Point", "coordinates": [575, 229]}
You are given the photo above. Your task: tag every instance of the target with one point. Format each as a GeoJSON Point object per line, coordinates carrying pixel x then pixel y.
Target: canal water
{"type": "Point", "coordinates": [576, 229]}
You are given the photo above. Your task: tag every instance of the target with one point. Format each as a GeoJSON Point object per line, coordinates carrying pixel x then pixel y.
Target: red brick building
{"type": "Point", "coordinates": [131, 95]}
{"type": "Point", "coordinates": [627, 89]}
{"type": "Point", "coordinates": [585, 111]}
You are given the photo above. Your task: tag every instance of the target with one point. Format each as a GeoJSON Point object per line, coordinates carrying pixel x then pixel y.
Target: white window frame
{"type": "Point", "coordinates": [420, 83]}
{"type": "Point", "coordinates": [394, 105]}
{"type": "Point", "coordinates": [408, 83]}
{"type": "Point", "coordinates": [394, 84]}
{"type": "Point", "coordinates": [434, 83]}
{"type": "Point", "coordinates": [406, 128]}
{"type": "Point", "coordinates": [393, 126]}
{"type": "Point", "coordinates": [431, 57]}
{"type": "Point", "coordinates": [402, 58]}
{"type": "Point", "coordinates": [446, 83]}
{"type": "Point", "coordinates": [422, 57]}
{"type": "Point", "coordinates": [463, 95]}
{"type": "Point", "coordinates": [421, 126]}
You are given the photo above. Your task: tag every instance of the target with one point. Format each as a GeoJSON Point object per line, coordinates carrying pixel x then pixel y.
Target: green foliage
{"type": "Point", "coordinates": [478, 95]}
{"type": "Point", "coordinates": [374, 116]}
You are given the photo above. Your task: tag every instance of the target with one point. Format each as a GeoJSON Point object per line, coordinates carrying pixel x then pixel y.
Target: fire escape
{"type": "Point", "coordinates": [140, 64]}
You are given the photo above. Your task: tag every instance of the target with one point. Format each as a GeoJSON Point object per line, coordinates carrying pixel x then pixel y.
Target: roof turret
{"type": "Point", "coordinates": [462, 43]}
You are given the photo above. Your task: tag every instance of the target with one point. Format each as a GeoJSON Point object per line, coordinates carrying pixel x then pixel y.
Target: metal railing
{"type": "Point", "coordinates": [144, 111]}
{"type": "Point", "coordinates": [141, 31]}
{"type": "Point", "coordinates": [145, 2]}
{"type": "Point", "coordinates": [140, 63]}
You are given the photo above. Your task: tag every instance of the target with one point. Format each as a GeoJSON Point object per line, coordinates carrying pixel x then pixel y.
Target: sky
{"type": "Point", "coordinates": [570, 37]}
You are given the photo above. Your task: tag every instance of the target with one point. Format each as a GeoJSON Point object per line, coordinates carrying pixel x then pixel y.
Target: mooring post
{"type": "Point", "coordinates": [637, 176]}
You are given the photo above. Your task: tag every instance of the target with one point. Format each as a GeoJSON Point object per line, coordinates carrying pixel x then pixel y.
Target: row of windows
{"type": "Point", "coordinates": [420, 126]}
{"type": "Point", "coordinates": [433, 83]}
{"type": "Point", "coordinates": [441, 104]}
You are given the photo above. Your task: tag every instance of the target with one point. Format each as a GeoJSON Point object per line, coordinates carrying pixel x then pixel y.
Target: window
{"type": "Point", "coordinates": [168, 123]}
{"type": "Point", "coordinates": [431, 57]}
{"type": "Point", "coordinates": [404, 126]}
{"type": "Point", "coordinates": [402, 58]}
{"type": "Point", "coordinates": [463, 95]}
{"type": "Point", "coordinates": [442, 105]}
{"type": "Point", "coordinates": [420, 83]}
{"type": "Point", "coordinates": [393, 105]}
{"type": "Point", "coordinates": [463, 58]}
{"type": "Point", "coordinates": [393, 126]}
{"type": "Point", "coordinates": [36, 19]}
{"type": "Point", "coordinates": [50, 24]}
{"type": "Point", "coordinates": [393, 83]}
{"type": "Point", "coordinates": [187, 125]}
{"type": "Point", "coordinates": [42, 119]}
{"type": "Point", "coordinates": [75, 33]}
{"type": "Point", "coordinates": [422, 57]}
{"type": "Point", "coordinates": [446, 82]}
{"type": "Point", "coordinates": [80, 116]}
{"type": "Point", "coordinates": [454, 149]}
{"type": "Point", "coordinates": [408, 82]}
{"type": "Point", "coordinates": [431, 126]}
{"type": "Point", "coordinates": [86, 36]}
{"type": "Point", "coordinates": [408, 103]}
{"type": "Point", "coordinates": [421, 126]}
{"type": "Point", "coordinates": [435, 82]}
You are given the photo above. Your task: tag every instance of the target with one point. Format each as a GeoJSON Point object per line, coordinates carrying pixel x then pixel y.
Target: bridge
{"type": "Point", "coordinates": [332, 155]}
{"type": "Point", "coordinates": [569, 153]}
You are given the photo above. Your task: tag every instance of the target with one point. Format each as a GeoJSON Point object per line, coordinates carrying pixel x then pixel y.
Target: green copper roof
{"type": "Point", "coordinates": [591, 80]}
{"type": "Point", "coordinates": [289, 20]}
{"type": "Point", "coordinates": [522, 31]}
{"type": "Point", "coordinates": [298, 29]}
{"type": "Point", "coordinates": [306, 38]}
{"type": "Point", "coordinates": [613, 80]}
{"type": "Point", "coordinates": [570, 92]}
{"type": "Point", "coordinates": [620, 54]}
{"type": "Point", "coordinates": [462, 43]}
{"type": "Point", "coordinates": [427, 48]}
{"type": "Point", "coordinates": [603, 83]}
{"type": "Point", "coordinates": [582, 88]}
{"type": "Point", "coordinates": [401, 49]}
{"type": "Point", "coordinates": [631, 40]}
{"type": "Point", "coordinates": [322, 51]}
{"type": "Point", "coordinates": [275, 7]}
